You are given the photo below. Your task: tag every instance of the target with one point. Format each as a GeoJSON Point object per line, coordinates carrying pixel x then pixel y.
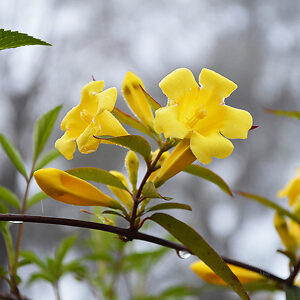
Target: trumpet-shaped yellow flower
{"type": "Point", "coordinates": [69, 189]}
{"type": "Point", "coordinates": [292, 189]}
{"type": "Point", "coordinates": [136, 99]}
{"type": "Point", "coordinates": [91, 117]}
{"type": "Point", "coordinates": [204, 272]}
{"type": "Point", "coordinates": [121, 194]}
{"type": "Point", "coordinates": [200, 115]}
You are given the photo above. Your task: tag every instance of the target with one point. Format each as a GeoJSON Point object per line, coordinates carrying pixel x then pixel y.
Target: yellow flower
{"type": "Point", "coordinates": [200, 115]}
{"type": "Point", "coordinates": [121, 194]}
{"type": "Point", "coordinates": [91, 117]}
{"type": "Point", "coordinates": [292, 189]}
{"type": "Point", "coordinates": [204, 272]}
{"type": "Point", "coordinates": [136, 99]}
{"type": "Point", "coordinates": [69, 189]}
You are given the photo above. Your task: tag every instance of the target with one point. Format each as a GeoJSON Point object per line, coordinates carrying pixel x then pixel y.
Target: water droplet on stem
{"type": "Point", "coordinates": [183, 254]}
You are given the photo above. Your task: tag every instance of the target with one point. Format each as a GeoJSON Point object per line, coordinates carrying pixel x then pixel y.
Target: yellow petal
{"type": "Point", "coordinates": [66, 145]}
{"type": "Point", "coordinates": [207, 147]}
{"type": "Point", "coordinates": [86, 141]}
{"type": "Point", "coordinates": [180, 158]}
{"type": "Point", "coordinates": [219, 86]}
{"type": "Point", "coordinates": [292, 189]}
{"type": "Point", "coordinates": [136, 98]}
{"type": "Point", "coordinates": [110, 125]}
{"type": "Point", "coordinates": [166, 121]}
{"type": "Point", "coordinates": [121, 194]}
{"type": "Point", "coordinates": [69, 189]}
{"type": "Point", "coordinates": [236, 123]}
{"type": "Point", "coordinates": [107, 100]}
{"type": "Point", "coordinates": [90, 90]}
{"type": "Point", "coordinates": [204, 272]}
{"type": "Point", "coordinates": [179, 84]}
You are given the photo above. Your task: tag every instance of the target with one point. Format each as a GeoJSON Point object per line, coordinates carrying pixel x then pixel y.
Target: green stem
{"type": "Point", "coordinates": [9, 247]}
{"type": "Point", "coordinates": [56, 291]}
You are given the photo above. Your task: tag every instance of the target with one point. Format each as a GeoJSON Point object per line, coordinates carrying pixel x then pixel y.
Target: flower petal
{"type": "Point", "coordinates": [166, 121]}
{"type": "Point", "coordinates": [66, 145]}
{"type": "Point", "coordinates": [179, 84]}
{"type": "Point", "coordinates": [180, 158]}
{"type": "Point", "coordinates": [109, 125]}
{"type": "Point", "coordinates": [121, 194]}
{"type": "Point", "coordinates": [292, 189]}
{"type": "Point", "coordinates": [207, 147]}
{"type": "Point", "coordinates": [236, 123]}
{"type": "Point", "coordinates": [69, 189]}
{"type": "Point", "coordinates": [217, 86]}
{"type": "Point", "coordinates": [107, 100]}
{"type": "Point", "coordinates": [204, 272]}
{"type": "Point", "coordinates": [86, 142]}
{"type": "Point", "coordinates": [136, 98]}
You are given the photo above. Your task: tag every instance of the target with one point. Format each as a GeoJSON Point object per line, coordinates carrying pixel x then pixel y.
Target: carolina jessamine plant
{"type": "Point", "coordinates": [195, 122]}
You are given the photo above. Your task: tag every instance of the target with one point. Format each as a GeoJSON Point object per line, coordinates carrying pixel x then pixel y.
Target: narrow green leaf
{"type": "Point", "coordinates": [271, 204]}
{"type": "Point", "coordinates": [149, 191]}
{"type": "Point", "coordinates": [3, 210]}
{"type": "Point", "coordinates": [208, 175]}
{"type": "Point", "coordinates": [97, 175]}
{"type": "Point", "coordinates": [34, 259]}
{"type": "Point", "coordinates": [112, 212]}
{"type": "Point", "coordinates": [8, 243]}
{"type": "Point", "coordinates": [40, 276]}
{"type": "Point", "coordinates": [135, 143]}
{"type": "Point", "coordinates": [131, 121]}
{"type": "Point", "coordinates": [13, 154]}
{"type": "Point", "coordinates": [63, 249]}
{"type": "Point", "coordinates": [173, 205]}
{"type": "Point", "coordinates": [42, 130]}
{"type": "Point", "coordinates": [3, 272]}
{"type": "Point", "coordinates": [177, 291]}
{"type": "Point", "coordinates": [74, 266]}
{"type": "Point", "coordinates": [14, 39]}
{"type": "Point", "coordinates": [47, 158]}
{"type": "Point", "coordinates": [292, 293]}
{"type": "Point", "coordinates": [9, 197]}
{"type": "Point", "coordinates": [154, 104]}
{"type": "Point", "coordinates": [36, 198]}
{"type": "Point", "coordinates": [291, 114]}
{"type": "Point", "coordinates": [198, 246]}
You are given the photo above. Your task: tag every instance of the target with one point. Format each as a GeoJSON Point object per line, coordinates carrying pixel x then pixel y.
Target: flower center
{"type": "Point", "coordinates": [86, 116]}
{"type": "Point", "coordinates": [196, 117]}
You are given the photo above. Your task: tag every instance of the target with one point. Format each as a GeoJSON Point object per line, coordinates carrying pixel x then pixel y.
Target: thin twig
{"type": "Point", "coordinates": [291, 278]}
{"type": "Point", "coordinates": [130, 235]}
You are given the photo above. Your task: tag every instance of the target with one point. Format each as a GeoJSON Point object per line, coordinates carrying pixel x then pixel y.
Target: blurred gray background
{"type": "Point", "coordinates": [254, 43]}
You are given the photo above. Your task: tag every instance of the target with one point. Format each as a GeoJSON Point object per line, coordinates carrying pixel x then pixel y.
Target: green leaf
{"type": "Point", "coordinates": [97, 175]}
{"type": "Point", "coordinates": [74, 266]}
{"type": "Point", "coordinates": [8, 243]}
{"type": "Point", "coordinates": [112, 212]}
{"type": "Point", "coordinates": [177, 292]}
{"type": "Point", "coordinates": [131, 121]}
{"type": "Point", "coordinates": [14, 39]}
{"type": "Point", "coordinates": [63, 249]}
{"type": "Point", "coordinates": [33, 258]}
{"type": "Point", "coordinates": [208, 175]}
{"type": "Point", "coordinates": [40, 276]}
{"type": "Point", "coordinates": [133, 142]}
{"type": "Point", "coordinates": [173, 205]}
{"type": "Point", "coordinates": [3, 272]}
{"type": "Point", "coordinates": [199, 247]}
{"type": "Point", "coordinates": [13, 154]}
{"type": "Point", "coordinates": [9, 197]}
{"type": "Point", "coordinates": [42, 130]}
{"type": "Point", "coordinates": [154, 104]}
{"type": "Point", "coordinates": [36, 198]}
{"type": "Point", "coordinates": [149, 191]}
{"type": "Point", "coordinates": [292, 293]}
{"type": "Point", "coordinates": [271, 204]}
{"type": "Point", "coordinates": [47, 158]}
{"type": "Point", "coordinates": [291, 114]}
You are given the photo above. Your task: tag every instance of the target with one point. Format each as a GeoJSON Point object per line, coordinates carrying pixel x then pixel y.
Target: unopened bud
{"type": "Point", "coordinates": [283, 231]}
{"type": "Point", "coordinates": [132, 166]}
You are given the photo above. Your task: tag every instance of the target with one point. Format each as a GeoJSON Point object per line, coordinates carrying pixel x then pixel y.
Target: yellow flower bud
{"type": "Point", "coordinates": [69, 189]}
{"type": "Point", "coordinates": [121, 194]}
{"type": "Point", "coordinates": [295, 227]}
{"type": "Point", "coordinates": [204, 272]}
{"type": "Point", "coordinates": [132, 167]}
{"type": "Point", "coordinates": [283, 231]}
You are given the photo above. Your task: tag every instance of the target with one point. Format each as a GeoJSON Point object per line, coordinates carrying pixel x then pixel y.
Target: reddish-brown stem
{"type": "Point", "coordinates": [130, 235]}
